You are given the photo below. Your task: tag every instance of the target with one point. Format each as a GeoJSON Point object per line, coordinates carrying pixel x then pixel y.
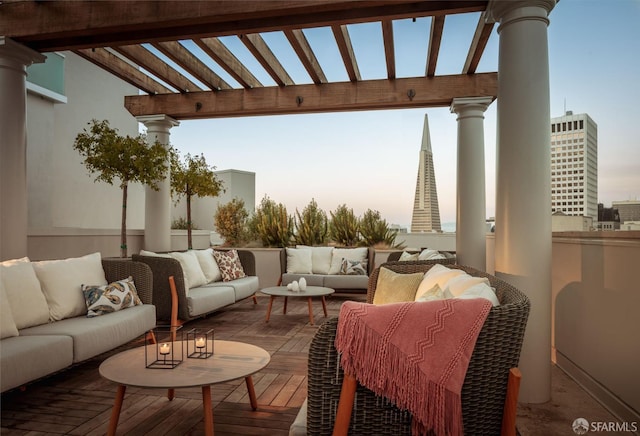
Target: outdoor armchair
{"type": "Point", "coordinates": [496, 352]}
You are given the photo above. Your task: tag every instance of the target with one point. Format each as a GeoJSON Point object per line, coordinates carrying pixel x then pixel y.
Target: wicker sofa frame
{"type": "Point", "coordinates": [484, 390]}
{"type": "Point", "coordinates": [163, 268]}
{"type": "Point", "coordinates": [118, 269]}
{"type": "Point", "coordinates": [395, 256]}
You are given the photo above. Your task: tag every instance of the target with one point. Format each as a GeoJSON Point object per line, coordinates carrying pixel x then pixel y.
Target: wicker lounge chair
{"type": "Point", "coordinates": [484, 390]}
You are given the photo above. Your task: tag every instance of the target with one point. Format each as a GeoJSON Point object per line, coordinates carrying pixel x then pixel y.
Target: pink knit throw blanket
{"type": "Point", "coordinates": [416, 354]}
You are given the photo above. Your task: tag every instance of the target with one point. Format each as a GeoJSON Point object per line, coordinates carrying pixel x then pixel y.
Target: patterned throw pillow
{"type": "Point", "coordinates": [353, 267]}
{"type": "Point", "coordinates": [229, 264]}
{"type": "Point", "coordinates": [110, 298]}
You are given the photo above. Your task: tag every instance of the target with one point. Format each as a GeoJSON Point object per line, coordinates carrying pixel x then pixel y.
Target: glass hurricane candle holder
{"type": "Point", "coordinates": [163, 347]}
{"type": "Point", "coordinates": [199, 343]}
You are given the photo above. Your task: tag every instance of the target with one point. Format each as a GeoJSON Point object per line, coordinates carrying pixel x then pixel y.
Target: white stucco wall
{"type": "Point", "coordinates": [61, 192]}
{"type": "Point", "coordinates": [237, 184]}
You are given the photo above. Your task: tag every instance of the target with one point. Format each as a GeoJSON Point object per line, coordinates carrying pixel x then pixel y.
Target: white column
{"type": "Point", "coordinates": [523, 194]}
{"type": "Point", "coordinates": [471, 239]}
{"type": "Point", "coordinates": [157, 211]}
{"type": "Point", "coordinates": [14, 60]}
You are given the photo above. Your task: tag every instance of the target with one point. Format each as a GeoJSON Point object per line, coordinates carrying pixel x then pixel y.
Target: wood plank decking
{"type": "Point", "coordinates": [78, 401]}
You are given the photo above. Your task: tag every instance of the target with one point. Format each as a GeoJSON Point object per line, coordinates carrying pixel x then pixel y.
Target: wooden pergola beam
{"type": "Point", "coordinates": [267, 59]}
{"type": "Point", "coordinates": [341, 33]}
{"type": "Point", "coordinates": [435, 38]}
{"type": "Point", "coordinates": [217, 51]}
{"type": "Point", "coordinates": [156, 66]}
{"type": "Point", "coordinates": [302, 48]}
{"type": "Point", "coordinates": [330, 97]}
{"type": "Point", "coordinates": [183, 57]}
{"type": "Point", "coordinates": [389, 49]}
{"type": "Point", "coordinates": [119, 68]}
{"type": "Point", "coordinates": [478, 44]}
{"type": "Point", "coordinates": [67, 25]}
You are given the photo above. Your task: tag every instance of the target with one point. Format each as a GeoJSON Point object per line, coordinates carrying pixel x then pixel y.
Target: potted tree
{"type": "Point", "coordinates": [123, 158]}
{"type": "Point", "coordinates": [193, 177]}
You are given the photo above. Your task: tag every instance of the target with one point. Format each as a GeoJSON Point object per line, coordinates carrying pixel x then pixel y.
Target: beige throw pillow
{"type": "Point", "coordinates": [393, 287]}
{"type": "Point", "coordinates": [61, 282]}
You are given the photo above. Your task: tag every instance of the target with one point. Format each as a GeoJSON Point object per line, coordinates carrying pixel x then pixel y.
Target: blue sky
{"type": "Point", "coordinates": [370, 159]}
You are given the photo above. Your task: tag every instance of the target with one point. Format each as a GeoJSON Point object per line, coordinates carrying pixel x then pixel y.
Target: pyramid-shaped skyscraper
{"type": "Point", "coordinates": [426, 213]}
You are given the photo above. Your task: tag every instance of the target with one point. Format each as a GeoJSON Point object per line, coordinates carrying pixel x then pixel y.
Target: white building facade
{"type": "Point", "coordinates": [574, 165]}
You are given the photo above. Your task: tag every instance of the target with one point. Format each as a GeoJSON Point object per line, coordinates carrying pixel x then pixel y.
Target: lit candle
{"type": "Point", "coordinates": [165, 348]}
{"type": "Point", "coordinates": [200, 342]}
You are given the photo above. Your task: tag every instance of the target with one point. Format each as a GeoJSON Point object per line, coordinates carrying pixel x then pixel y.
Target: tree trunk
{"type": "Point", "coordinates": [189, 244]}
{"type": "Point", "coordinates": [123, 226]}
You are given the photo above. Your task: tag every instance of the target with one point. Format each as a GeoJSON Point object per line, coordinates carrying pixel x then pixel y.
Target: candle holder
{"type": "Point", "coordinates": [200, 343]}
{"type": "Point", "coordinates": [163, 347]}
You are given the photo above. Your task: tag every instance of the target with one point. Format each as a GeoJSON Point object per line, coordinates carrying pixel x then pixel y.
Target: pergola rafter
{"type": "Point", "coordinates": [119, 35]}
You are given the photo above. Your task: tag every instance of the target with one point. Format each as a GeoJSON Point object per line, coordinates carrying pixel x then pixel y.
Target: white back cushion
{"type": "Point", "coordinates": [193, 275]}
{"type": "Point", "coordinates": [7, 324]}
{"type": "Point", "coordinates": [299, 261]}
{"type": "Point", "coordinates": [321, 259]}
{"type": "Point", "coordinates": [357, 254]}
{"type": "Point", "coordinates": [480, 290]}
{"type": "Point", "coordinates": [28, 303]}
{"type": "Point", "coordinates": [459, 284]}
{"type": "Point", "coordinates": [61, 282]}
{"type": "Point", "coordinates": [437, 275]}
{"type": "Point", "coordinates": [208, 265]}
{"type": "Point", "coordinates": [153, 254]}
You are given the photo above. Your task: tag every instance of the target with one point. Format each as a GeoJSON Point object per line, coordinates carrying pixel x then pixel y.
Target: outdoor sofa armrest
{"type": "Point", "coordinates": [118, 269]}
{"type": "Point", "coordinates": [163, 268]}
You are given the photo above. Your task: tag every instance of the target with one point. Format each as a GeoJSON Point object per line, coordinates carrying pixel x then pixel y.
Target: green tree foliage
{"type": "Point", "coordinates": [343, 227]}
{"type": "Point", "coordinates": [273, 225]}
{"type": "Point", "coordinates": [375, 230]}
{"type": "Point", "coordinates": [123, 158]}
{"type": "Point", "coordinates": [193, 177]}
{"type": "Point", "coordinates": [312, 225]}
{"type": "Point", "coordinates": [230, 221]}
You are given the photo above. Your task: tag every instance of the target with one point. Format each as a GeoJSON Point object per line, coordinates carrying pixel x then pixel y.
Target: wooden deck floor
{"type": "Point", "coordinates": [78, 401]}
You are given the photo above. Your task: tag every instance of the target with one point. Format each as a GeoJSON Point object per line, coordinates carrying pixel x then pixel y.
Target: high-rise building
{"type": "Point", "coordinates": [574, 165]}
{"type": "Point", "coordinates": [426, 213]}
{"type": "Point", "coordinates": [629, 210]}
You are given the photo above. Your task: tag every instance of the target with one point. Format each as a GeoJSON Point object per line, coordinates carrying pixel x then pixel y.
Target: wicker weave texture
{"type": "Point", "coordinates": [118, 269]}
{"type": "Point", "coordinates": [483, 392]}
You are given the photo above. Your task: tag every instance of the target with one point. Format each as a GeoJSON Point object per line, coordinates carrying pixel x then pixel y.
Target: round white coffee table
{"type": "Point", "coordinates": [309, 293]}
{"type": "Point", "coordinates": [230, 361]}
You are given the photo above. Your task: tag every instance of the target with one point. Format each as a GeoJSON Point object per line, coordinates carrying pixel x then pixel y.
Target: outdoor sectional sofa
{"type": "Point", "coordinates": [45, 329]}
{"type": "Point", "coordinates": [333, 267]}
{"type": "Point", "coordinates": [195, 297]}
